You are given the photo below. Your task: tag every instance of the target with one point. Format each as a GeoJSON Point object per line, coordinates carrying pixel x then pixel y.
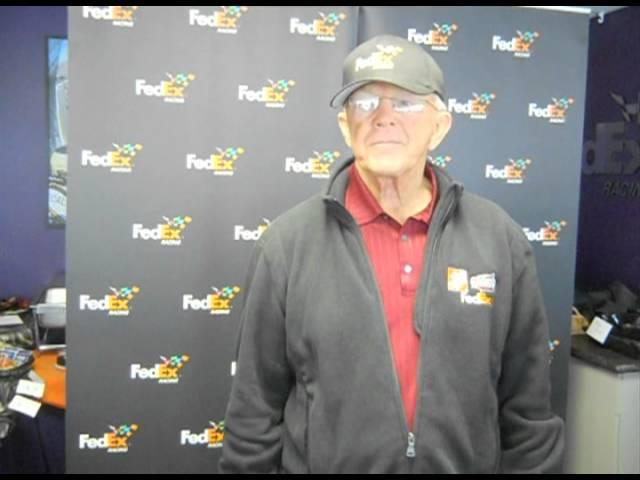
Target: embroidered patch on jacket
{"type": "Point", "coordinates": [477, 290]}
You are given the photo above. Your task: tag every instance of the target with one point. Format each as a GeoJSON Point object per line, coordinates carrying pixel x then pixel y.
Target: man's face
{"type": "Point", "coordinates": [391, 130]}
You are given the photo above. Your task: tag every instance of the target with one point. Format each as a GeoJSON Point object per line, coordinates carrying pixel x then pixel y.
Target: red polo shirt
{"type": "Point", "coordinates": [396, 252]}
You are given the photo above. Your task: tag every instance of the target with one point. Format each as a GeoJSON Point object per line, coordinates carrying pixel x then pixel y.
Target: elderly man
{"type": "Point", "coordinates": [393, 324]}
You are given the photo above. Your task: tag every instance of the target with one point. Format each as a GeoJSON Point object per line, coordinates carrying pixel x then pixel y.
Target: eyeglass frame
{"type": "Point", "coordinates": [417, 102]}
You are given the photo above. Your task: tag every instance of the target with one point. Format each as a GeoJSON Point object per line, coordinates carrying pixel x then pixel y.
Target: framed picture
{"type": "Point", "coordinates": [58, 93]}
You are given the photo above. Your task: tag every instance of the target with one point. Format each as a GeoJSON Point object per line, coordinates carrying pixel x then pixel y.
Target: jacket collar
{"type": "Point", "coordinates": [336, 190]}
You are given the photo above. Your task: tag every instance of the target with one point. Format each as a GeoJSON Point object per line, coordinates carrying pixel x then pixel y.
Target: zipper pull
{"type": "Point", "coordinates": [411, 445]}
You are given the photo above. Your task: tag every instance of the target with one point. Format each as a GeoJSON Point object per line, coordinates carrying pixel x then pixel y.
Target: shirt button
{"type": "Point", "coordinates": [404, 237]}
{"type": "Point", "coordinates": [408, 268]}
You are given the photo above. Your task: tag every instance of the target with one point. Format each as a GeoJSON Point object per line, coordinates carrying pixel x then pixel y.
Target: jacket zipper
{"type": "Point", "coordinates": [307, 427]}
{"type": "Point", "coordinates": [411, 445]}
{"type": "Point", "coordinates": [411, 436]}
{"type": "Point", "coordinates": [398, 397]}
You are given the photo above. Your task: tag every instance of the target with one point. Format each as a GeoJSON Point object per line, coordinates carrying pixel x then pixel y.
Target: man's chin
{"type": "Point", "coordinates": [384, 167]}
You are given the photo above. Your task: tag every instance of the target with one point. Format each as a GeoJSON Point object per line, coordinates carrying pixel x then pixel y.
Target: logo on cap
{"type": "Point", "coordinates": [380, 60]}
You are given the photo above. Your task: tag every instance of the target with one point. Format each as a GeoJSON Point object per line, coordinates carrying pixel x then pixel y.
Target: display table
{"type": "Point", "coordinates": [603, 410]}
{"type": "Point", "coordinates": [36, 445]}
{"type": "Point", "coordinates": [53, 376]}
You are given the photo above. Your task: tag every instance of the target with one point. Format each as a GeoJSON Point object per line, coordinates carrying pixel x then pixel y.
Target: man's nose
{"type": "Point", "coordinates": [384, 114]}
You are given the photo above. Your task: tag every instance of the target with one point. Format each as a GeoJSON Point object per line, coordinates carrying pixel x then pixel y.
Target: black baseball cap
{"type": "Point", "coordinates": [391, 59]}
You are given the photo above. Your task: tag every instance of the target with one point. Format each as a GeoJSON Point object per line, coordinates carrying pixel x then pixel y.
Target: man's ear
{"type": "Point", "coordinates": [443, 125]}
{"type": "Point", "coordinates": [343, 123]}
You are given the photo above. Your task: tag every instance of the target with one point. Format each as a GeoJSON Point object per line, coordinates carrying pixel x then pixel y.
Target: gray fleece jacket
{"type": "Point", "coordinates": [315, 388]}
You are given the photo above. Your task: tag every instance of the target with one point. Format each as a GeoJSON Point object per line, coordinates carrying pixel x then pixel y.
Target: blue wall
{"type": "Point", "coordinates": [609, 228]}
{"type": "Point", "coordinates": [31, 253]}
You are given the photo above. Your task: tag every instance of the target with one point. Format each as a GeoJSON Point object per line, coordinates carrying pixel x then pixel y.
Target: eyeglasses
{"type": "Point", "coordinates": [366, 103]}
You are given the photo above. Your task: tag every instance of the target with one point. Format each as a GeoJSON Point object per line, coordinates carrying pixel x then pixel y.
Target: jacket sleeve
{"type": "Point", "coordinates": [253, 421]}
{"type": "Point", "coordinates": [532, 437]}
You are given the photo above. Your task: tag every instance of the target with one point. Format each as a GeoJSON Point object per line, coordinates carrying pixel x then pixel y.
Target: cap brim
{"type": "Point", "coordinates": [339, 98]}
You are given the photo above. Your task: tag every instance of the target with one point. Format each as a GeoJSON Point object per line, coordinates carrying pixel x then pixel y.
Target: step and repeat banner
{"type": "Point", "coordinates": [192, 128]}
